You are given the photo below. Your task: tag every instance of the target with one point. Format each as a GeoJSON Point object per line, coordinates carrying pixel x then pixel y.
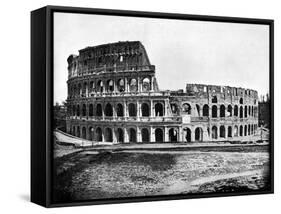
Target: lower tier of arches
{"type": "Point", "coordinates": [146, 134]}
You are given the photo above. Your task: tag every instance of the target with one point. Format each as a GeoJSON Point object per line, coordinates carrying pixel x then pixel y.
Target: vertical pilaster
{"type": "Point", "coordinates": [152, 134]}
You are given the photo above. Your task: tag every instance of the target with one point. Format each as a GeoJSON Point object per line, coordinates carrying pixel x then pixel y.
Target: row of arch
{"type": "Point", "coordinates": [110, 110]}
{"type": "Point", "coordinates": [120, 85]}
{"type": "Point", "coordinates": [228, 131]}
{"type": "Point", "coordinates": [224, 111]}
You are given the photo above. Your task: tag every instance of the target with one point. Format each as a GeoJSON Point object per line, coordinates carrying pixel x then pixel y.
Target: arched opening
{"type": "Point", "coordinates": [159, 110]}
{"type": "Point", "coordinates": [78, 110]}
{"type": "Point", "coordinates": [91, 133]}
{"type": "Point", "coordinates": [108, 111]}
{"type": "Point", "coordinates": [110, 86]}
{"type": "Point", "coordinates": [145, 110]}
{"type": "Point", "coordinates": [100, 86]}
{"type": "Point", "coordinates": [199, 134]}
{"type": "Point", "coordinates": [132, 135]}
{"type": "Point", "coordinates": [145, 135]}
{"type": "Point", "coordinates": [120, 135]}
{"type": "Point", "coordinates": [108, 137]}
{"type": "Point", "coordinates": [249, 111]}
{"type": "Point", "coordinates": [252, 111]}
{"type": "Point", "coordinates": [92, 86]}
{"type": "Point", "coordinates": [121, 85]}
{"type": "Point", "coordinates": [214, 132]}
{"type": "Point", "coordinates": [159, 135]}
{"type": "Point", "coordinates": [214, 99]}
{"type": "Point", "coordinates": [249, 129]}
{"type": "Point", "coordinates": [245, 130]}
{"type": "Point", "coordinates": [214, 111]}
{"type": "Point", "coordinates": [187, 134]}
{"type": "Point", "coordinates": [84, 111]}
{"type": "Point", "coordinates": [186, 108]}
{"type": "Point", "coordinates": [99, 134]}
{"type": "Point", "coordinates": [235, 131]}
{"type": "Point", "coordinates": [229, 111]}
{"type": "Point", "coordinates": [91, 110]}
{"type": "Point", "coordinates": [73, 131]}
{"type": "Point", "coordinates": [236, 111]}
{"type": "Point", "coordinates": [146, 84]}
{"type": "Point", "coordinates": [119, 110]}
{"type": "Point", "coordinates": [241, 131]}
{"type": "Point", "coordinates": [222, 131]}
{"type": "Point", "coordinates": [99, 110]}
{"type": "Point", "coordinates": [133, 85]}
{"type": "Point", "coordinates": [132, 110]}
{"type": "Point", "coordinates": [173, 135]}
{"type": "Point", "coordinates": [78, 131]}
{"type": "Point", "coordinates": [205, 110]}
{"type": "Point", "coordinates": [229, 131]}
{"type": "Point", "coordinates": [252, 129]}
{"type": "Point", "coordinates": [245, 111]}
{"type": "Point", "coordinates": [241, 101]}
{"type": "Point", "coordinates": [222, 111]}
{"type": "Point", "coordinates": [84, 133]}
{"type": "Point", "coordinates": [241, 112]}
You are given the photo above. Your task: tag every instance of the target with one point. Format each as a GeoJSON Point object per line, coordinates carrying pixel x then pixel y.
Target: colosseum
{"type": "Point", "coordinates": [113, 96]}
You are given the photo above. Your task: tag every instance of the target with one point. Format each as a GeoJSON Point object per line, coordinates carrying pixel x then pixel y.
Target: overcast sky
{"type": "Point", "coordinates": [182, 51]}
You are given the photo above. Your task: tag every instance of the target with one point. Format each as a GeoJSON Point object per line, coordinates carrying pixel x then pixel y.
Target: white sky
{"type": "Point", "coordinates": [182, 51]}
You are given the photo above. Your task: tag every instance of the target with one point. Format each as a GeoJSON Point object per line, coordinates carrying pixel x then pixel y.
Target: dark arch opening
{"type": "Point", "coordinates": [199, 134]}
{"type": "Point", "coordinates": [245, 130]}
{"type": "Point", "coordinates": [173, 135]}
{"type": "Point", "coordinates": [222, 131]}
{"type": "Point", "coordinates": [145, 135]}
{"type": "Point", "coordinates": [78, 131]}
{"type": "Point", "coordinates": [99, 110]}
{"type": "Point", "coordinates": [120, 135]}
{"type": "Point", "coordinates": [100, 86]}
{"type": "Point", "coordinates": [132, 135]}
{"type": "Point", "coordinates": [99, 134]}
{"type": "Point", "coordinates": [78, 110]}
{"type": "Point", "coordinates": [119, 110]}
{"type": "Point", "coordinates": [145, 110]}
{"type": "Point", "coordinates": [91, 133]}
{"type": "Point", "coordinates": [108, 110]}
{"type": "Point", "coordinates": [241, 112]}
{"type": "Point", "coordinates": [91, 110]}
{"type": "Point", "coordinates": [236, 111]}
{"type": "Point", "coordinates": [159, 135]}
{"type": "Point", "coordinates": [84, 111]}
{"type": "Point", "coordinates": [214, 111]}
{"type": "Point", "coordinates": [159, 110]}
{"type": "Point", "coordinates": [214, 99]}
{"type": "Point", "coordinates": [206, 110]}
{"type": "Point", "coordinates": [132, 110]}
{"type": "Point", "coordinates": [241, 101]}
{"type": "Point", "coordinates": [222, 111]}
{"type": "Point", "coordinates": [214, 132]}
{"type": "Point", "coordinates": [108, 135]}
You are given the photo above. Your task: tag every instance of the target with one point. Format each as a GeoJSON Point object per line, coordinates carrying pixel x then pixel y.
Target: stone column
{"type": "Point", "coordinates": [152, 134]}
{"type": "Point", "coordinates": [114, 136]}
{"type": "Point", "coordinates": [192, 134]}
{"type": "Point", "coordinates": [138, 109]}
{"type": "Point", "coordinates": [126, 137]}
{"type": "Point", "coordinates": [126, 84]}
{"type": "Point", "coordinates": [166, 134]}
{"type": "Point", "coordinates": [180, 135]}
{"type": "Point", "coordinates": [138, 135]}
{"type": "Point", "coordinates": [151, 109]}
{"type": "Point", "coordinates": [125, 109]}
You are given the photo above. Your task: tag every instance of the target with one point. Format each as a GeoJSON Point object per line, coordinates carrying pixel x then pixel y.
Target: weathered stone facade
{"type": "Point", "coordinates": [113, 96]}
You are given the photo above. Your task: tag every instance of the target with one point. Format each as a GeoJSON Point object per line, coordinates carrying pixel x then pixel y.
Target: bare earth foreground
{"type": "Point", "coordinates": [98, 174]}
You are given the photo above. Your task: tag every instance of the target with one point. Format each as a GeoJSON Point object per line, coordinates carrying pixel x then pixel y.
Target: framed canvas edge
{"type": "Point", "coordinates": [49, 97]}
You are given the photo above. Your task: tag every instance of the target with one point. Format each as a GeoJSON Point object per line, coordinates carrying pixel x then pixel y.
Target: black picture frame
{"type": "Point", "coordinates": [42, 100]}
